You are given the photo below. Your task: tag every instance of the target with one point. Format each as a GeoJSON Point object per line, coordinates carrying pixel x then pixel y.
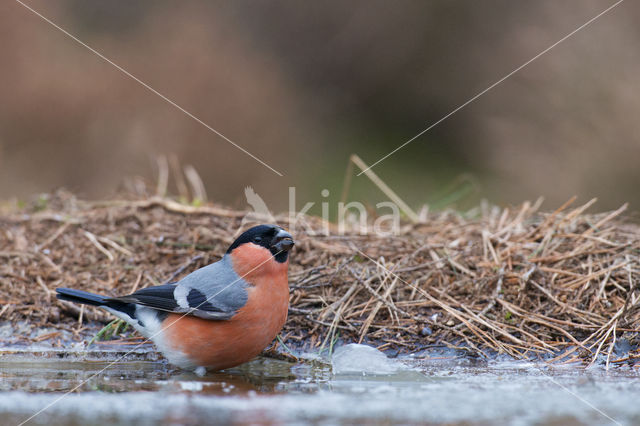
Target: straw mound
{"type": "Point", "coordinates": [517, 281]}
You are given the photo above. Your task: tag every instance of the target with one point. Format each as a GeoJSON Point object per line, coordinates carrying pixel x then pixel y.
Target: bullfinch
{"type": "Point", "coordinates": [219, 316]}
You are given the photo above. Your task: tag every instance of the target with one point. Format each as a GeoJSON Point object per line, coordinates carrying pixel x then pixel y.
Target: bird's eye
{"type": "Point", "coordinates": [257, 239]}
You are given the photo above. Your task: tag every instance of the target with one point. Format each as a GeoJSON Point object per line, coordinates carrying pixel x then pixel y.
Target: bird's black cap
{"type": "Point", "coordinates": [271, 237]}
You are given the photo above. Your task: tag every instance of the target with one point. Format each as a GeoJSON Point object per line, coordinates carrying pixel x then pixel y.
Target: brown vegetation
{"type": "Point", "coordinates": [516, 281]}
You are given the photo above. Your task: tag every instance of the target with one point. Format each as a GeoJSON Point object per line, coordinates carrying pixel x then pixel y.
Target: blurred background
{"type": "Point", "coordinates": [303, 85]}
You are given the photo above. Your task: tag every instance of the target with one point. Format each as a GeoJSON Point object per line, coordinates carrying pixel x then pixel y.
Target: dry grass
{"type": "Point", "coordinates": [561, 285]}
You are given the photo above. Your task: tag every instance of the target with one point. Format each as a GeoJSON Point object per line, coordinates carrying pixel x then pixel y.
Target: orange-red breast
{"type": "Point", "coordinates": [219, 316]}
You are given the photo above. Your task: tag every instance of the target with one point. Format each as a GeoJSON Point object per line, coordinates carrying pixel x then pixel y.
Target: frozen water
{"type": "Point", "coordinates": [367, 387]}
{"type": "Point", "coordinates": [363, 359]}
{"type": "Point", "coordinates": [473, 397]}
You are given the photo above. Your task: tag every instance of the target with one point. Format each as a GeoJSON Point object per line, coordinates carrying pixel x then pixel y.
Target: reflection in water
{"type": "Point", "coordinates": [262, 375]}
{"type": "Point", "coordinates": [434, 390]}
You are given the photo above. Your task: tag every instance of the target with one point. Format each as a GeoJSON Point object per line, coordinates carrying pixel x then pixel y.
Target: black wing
{"type": "Point", "coordinates": [158, 297]}
{"type": "Point", "coordinates": [214, 292]}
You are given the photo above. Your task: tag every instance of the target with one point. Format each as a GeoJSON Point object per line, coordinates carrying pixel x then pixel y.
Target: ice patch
{"type": "Point", "coordinates": [191, 386]}
{"type": "Point", "coordinates": [363, 359]}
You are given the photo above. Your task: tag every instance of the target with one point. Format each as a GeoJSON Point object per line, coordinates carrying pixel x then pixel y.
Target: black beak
{"type": "Point", "coordinates": [282, 242]}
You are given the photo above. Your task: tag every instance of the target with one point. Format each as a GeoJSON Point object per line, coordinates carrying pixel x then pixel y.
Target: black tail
{"type": "Point", "coordinates": [80, 296]}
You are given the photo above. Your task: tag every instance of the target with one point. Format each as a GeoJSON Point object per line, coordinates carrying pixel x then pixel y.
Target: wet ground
{"type": "Point", "coordinates": [359, 385]}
